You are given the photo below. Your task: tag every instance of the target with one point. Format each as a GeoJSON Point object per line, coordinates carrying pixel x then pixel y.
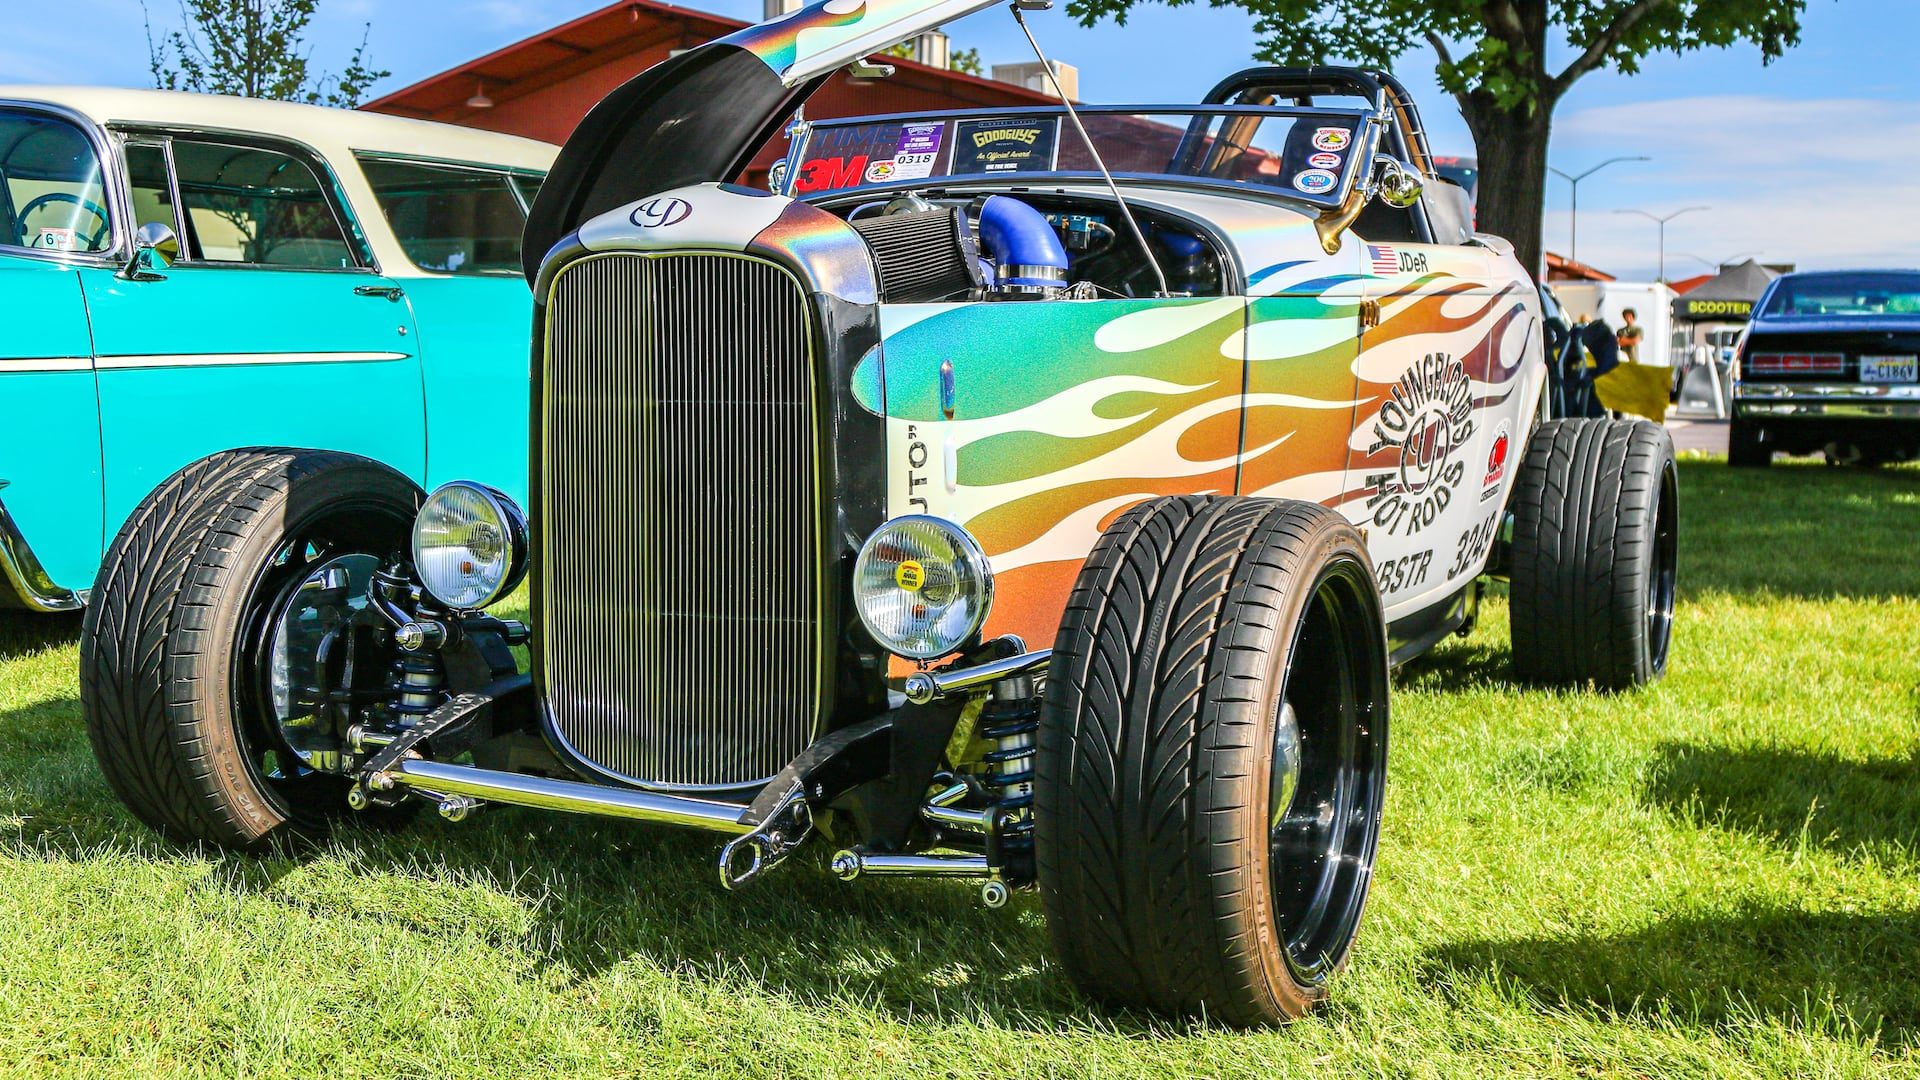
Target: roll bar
{"type": "Point", "coordinates": [1264, 85]}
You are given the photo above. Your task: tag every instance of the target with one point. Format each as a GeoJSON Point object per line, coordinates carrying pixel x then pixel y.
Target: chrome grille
{"type": "Point", "coordinates": [680, 604]}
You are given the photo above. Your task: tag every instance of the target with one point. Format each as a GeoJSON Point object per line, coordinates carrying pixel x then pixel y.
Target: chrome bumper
{"type": "Point", "coordinates": [1822, 401]}
{"type": "Point", "coordinates": [22, 574]}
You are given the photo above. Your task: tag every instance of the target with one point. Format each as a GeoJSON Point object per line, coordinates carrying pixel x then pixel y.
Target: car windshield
{"type": "Point", "coordinates": [1831, 295]}
{"type": "Point", "coordinates": [52, 196]}
{"type": "Point", "coordinates": [1306, 153]}
{"type": "Point", "coordinates": [453, 219]}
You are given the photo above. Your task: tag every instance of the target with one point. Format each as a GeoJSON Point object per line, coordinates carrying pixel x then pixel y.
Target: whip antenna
{"type": "Point", "coordinates": [1020, 8]}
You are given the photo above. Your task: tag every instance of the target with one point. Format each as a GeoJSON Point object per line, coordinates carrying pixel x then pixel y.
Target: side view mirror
{"type": "Point", "coordinates": [155, 247]}
{"type": "Point", "coordinates": [1393, 184]}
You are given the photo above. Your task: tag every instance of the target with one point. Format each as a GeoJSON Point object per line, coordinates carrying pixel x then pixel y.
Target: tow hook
{"type": "Point", "coordinates": [789, 825]}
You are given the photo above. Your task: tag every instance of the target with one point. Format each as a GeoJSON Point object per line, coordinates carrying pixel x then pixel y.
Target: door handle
{"type": "Point", "coordinates": [391, 292]}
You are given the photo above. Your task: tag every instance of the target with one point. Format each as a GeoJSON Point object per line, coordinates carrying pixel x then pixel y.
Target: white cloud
{"type": "Point", "coordinates": [1822, 182]}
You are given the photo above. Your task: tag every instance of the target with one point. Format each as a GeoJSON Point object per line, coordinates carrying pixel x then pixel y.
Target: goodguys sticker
{"type": "Point", "coordinates": [1324, 160]}
{"type": "Point", "coordinates": [1332, 138]}
{"type": "Point", "coordinates": [992, 146]}
{"type": "Point", "coordinates": [1428, 419]}
{"type": "Point", "coordinates": [1497, 456]}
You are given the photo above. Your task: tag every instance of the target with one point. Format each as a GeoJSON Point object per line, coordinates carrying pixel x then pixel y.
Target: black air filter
{"type": "Point", "coordinates": [924, 257]}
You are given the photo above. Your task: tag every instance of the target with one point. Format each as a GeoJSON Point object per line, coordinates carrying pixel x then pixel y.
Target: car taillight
{"type": "Point", "coordinates": [1795, 364]}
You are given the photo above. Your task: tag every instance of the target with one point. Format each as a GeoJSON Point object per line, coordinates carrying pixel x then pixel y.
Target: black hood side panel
{"type": "Point", "coordinates": [697, 118]}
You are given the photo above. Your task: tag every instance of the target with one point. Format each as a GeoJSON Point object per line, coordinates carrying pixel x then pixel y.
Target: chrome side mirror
{"type": "Point", "coordinates": [155, 248]}
{"type": "Point", "coordinates": [1394, 184]}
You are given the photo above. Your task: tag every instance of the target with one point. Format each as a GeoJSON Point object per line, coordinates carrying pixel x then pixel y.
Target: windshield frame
{"type": "Point", "coordinates": [1911, 278]}
{"type": "Point", "coordinates": [1365, 122]}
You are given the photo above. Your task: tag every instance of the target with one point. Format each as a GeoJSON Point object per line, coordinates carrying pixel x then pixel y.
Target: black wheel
{"type": "Point", "coordinates": [205, 626]}
{"type": "Point", "coordinates": [1747, 447]}
{"type": "Point", "coordinates": [1212, 758]}
{"type": "Point", "coordinates": [1596, 531]}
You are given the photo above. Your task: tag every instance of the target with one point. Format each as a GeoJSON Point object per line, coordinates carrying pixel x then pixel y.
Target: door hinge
{"type": "Point", "coordinates": [1369, 314]}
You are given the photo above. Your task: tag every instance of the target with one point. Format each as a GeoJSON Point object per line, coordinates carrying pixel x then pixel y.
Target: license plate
{"type": "Point", "coordinates": [1889, 369]}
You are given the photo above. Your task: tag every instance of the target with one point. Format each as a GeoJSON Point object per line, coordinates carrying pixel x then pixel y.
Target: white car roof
{"type": "Point", "coordinates": [334, 133]}
{"type": "Point", "coordinates": [326, 129]}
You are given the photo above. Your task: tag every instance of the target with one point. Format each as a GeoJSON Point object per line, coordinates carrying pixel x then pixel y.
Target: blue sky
{"type": "Point", "coordinates": [1814, 160]}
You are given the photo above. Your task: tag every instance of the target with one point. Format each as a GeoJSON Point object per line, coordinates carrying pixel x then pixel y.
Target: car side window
{"type": "Point", "coordinates": [450, 219]}
{"type": "Point", "coordinates": [257, 207]}
{"type": "Point", "coordinates": [53, 196]}
{"type": "Point", "coordinates": [149, 184]}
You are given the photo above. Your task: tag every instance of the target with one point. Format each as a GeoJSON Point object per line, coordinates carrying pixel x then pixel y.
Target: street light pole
{"type": "Point", "coordinates": [1662, 222]}
{"type": "Point", "coordinates": [1573, 247]}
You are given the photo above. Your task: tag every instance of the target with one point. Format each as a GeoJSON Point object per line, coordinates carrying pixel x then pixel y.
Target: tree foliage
{"type": "Point", "coordinates": [254, 48]}
{"type": "Point", "coordinates": [1493, 59]}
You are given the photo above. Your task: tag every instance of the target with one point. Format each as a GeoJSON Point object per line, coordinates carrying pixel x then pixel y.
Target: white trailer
{"type": "Point", "coordinates": [1652, 305]}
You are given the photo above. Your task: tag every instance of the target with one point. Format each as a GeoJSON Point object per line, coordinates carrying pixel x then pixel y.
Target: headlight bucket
{"type": "Point", "coordinates": [469, 545]}
{"type": "Point", "coordinates": [922, 586]}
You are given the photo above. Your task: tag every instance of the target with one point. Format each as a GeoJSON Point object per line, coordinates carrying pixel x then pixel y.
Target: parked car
{"type": "Point", "coordinates": [1830, 362]}
{"type": "Point", "coordinates": [191, 273]}
{"type": "Point", "coordinates": [820, 474]}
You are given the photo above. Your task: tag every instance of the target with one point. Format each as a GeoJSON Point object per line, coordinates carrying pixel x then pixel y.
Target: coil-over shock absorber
{"type": "Point", "coordinates": [418, 683]}
{"type": "Point", "coordinates": [1009, 722]}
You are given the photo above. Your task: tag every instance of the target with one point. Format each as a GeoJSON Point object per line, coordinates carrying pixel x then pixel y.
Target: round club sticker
{"type": "Point", "coordinates": [1331, 138]}
{"type": "Point", "coordinates": [1315, 181]}
{"type": "Point", "coordinates": [910, 575]}
{"type": "Point", "coordinates": [881, 171]}
{"type": "Point", "coordinates": [1324, 161]}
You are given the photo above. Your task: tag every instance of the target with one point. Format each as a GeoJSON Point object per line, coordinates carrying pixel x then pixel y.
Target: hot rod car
{"type": "Point", "coordinates": [1224, 403]}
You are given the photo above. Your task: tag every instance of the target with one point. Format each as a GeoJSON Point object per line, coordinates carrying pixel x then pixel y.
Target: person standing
{"type": "Point", "coordinates": [1630, 335]}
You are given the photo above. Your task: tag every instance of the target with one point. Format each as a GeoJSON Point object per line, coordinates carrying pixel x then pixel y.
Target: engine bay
{"type": "Point", "coordinates": [948, 246]}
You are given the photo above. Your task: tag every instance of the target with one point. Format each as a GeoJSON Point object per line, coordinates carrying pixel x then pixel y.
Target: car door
{"type": "Point", "coordinates": [1431, 454]}
{"type": "Point", "coordinates": [50, 173]}
{"type": "Point", "coordinates": [272, 329]}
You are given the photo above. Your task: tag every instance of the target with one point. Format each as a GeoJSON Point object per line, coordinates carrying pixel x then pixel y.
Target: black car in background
{"type": "Point", "coordinates": [1831, 362]}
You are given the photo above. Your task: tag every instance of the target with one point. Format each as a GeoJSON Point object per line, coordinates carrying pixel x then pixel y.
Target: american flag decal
{"type": "Point", "coordinates": [1386, 261]}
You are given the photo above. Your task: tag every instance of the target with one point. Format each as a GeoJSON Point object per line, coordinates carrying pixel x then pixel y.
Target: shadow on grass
{"type": "Point", "coordinates": [1794, 797]}
{"type": "Point", "coordinates": [23, 633]}
{"type": "Point", "coordinates": [599, 894]}
{"type": "Point", "coordinates": [1798, 530]}
{"type": "Point", "coordinates": [1800, 968]}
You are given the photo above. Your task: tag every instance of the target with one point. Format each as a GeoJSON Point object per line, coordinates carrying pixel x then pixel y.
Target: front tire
{"type": "Point", "coordinates": [1212, 758]}
{"type": "Point", "coordinates": [171, 675]}
{"type": "Point", "coordinates": [1596, 525]}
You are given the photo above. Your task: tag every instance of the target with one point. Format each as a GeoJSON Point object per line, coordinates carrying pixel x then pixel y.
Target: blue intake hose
{"type": "Point", "coordinates": [1023, 244]}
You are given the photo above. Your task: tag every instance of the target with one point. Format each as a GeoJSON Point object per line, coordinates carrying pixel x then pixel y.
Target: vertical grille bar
{"type": "Point", "coordinates": [680, 612]}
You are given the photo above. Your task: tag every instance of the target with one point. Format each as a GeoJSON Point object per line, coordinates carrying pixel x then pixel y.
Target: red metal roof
{"type": "Point", "coordinates": [543, 85]}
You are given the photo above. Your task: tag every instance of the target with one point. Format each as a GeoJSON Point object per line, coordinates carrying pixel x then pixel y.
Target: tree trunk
{"type": "Point", "coordinates": [1512, 147]}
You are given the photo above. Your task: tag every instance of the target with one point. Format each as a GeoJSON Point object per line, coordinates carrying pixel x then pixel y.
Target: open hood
{"type": "Point", "coordinates": [701, 116]}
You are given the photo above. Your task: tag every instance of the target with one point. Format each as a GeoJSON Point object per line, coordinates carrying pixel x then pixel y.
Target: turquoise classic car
{"type": "Point", "coordinates": [185, 274]}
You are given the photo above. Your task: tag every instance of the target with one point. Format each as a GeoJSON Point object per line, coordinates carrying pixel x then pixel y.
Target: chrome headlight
{"type": "Point", "coordinates": [922, 586]}
{"type": "Point", "coordinates": [469, 545]}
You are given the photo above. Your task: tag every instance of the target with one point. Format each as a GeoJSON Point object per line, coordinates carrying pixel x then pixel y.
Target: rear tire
{"type": "Point", "coordinates": [169, 653]}
{"type": "Point", "coordinates": [1595, 540]}
{"type": "Point", "coordinates": [1212, 757]}
{"type": "Point", "coordinates": [1746, 447]}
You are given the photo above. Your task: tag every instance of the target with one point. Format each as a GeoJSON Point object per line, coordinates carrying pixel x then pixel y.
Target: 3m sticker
{"type": "Point", "coordinates": [1316, 181]}
{"type": "Point", "coordinates": [1324, 160]}
{"type": "Point", "coordinates": [911, 576]}
{"type": "Point", "coordinates": [1332, 138]}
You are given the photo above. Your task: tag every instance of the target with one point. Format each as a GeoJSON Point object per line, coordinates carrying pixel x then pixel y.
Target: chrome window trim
{"type": "Point", "coordinates": [824, 636]}
{"type": "Point", "coordinates": [112, 179]}
{"type": "Point", "coordinates": [338, 204]}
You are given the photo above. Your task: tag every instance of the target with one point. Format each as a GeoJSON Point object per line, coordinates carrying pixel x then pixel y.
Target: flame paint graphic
{"type": "Point", "coordinates": [1070, 413]}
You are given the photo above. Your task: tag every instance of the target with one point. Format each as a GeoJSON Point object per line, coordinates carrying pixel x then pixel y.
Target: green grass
{"type": "Point", "coordinates": [1720, 875]}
